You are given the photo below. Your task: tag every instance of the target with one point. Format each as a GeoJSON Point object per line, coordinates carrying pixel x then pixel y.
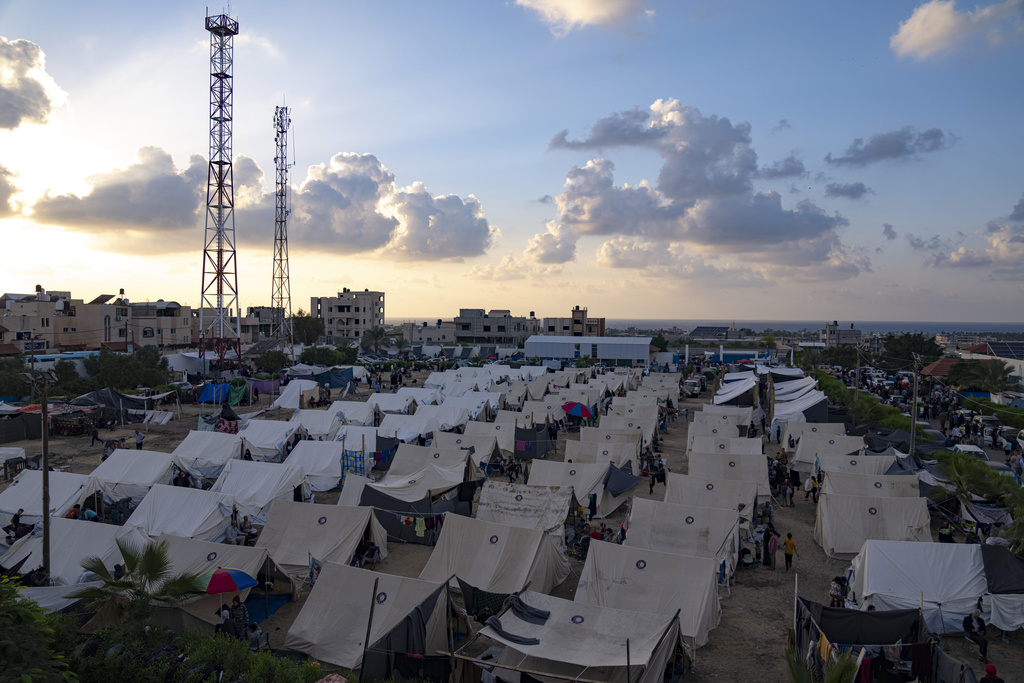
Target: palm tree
{"type": "Point", "coordinates": [374, 338]}
{"type": "Point", "coordinates": [403, 346]}
{"type": "Point", "coordinates": [838, 669]}
{"type": "Point", "coordinates": [809, 358]}
{"type": "Point", "coordinates": [994, 376]}
{"type": "Point", "coordinates": [147, 582]}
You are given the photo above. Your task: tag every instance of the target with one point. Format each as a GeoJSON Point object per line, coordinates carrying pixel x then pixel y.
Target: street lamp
{"type": "Point", "coordinates": [43, 380]}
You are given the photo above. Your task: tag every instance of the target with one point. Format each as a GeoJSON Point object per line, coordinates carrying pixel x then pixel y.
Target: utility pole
{"type": "Point", "coordinates": [913, 408]}
{"type": "Point", "coordinates": [44, 379]}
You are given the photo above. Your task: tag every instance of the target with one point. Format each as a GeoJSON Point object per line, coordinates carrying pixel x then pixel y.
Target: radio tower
{"type": "Point", "coordinates": [281, 291]}
{"type": "Point", "coordinates": [219, 293]}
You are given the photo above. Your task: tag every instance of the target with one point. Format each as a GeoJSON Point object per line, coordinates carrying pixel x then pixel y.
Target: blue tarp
{"type": "Point", "coordinates": [215, 393]}
{"type": "Point", "coordinates": [261, 605]}
{"type": "Point", "coordinates": [336, 378]}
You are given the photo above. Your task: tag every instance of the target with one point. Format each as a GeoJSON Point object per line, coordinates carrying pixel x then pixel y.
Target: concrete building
{"type": "Point", "coordinates": [474, 326]}
{"type": "Point", "coordinates": [579, 324]}
{"type": "Point", "coordinates": [620, 351]}
{"type": "Point", "coordinates": [441, 333]}
{"type": "Point", "coordinates": [348, 315]}
{"type": "Point", "coordinates": [833, 336]}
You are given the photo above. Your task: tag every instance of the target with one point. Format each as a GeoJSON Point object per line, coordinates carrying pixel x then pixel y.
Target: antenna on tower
{"type": "Point", "coordinates": [218, 330]}
{"type": "Point", "coordinates": [281, 291]}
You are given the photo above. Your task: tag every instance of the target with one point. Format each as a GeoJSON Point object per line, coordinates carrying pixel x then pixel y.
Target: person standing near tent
{"type": "Point", "coordinates": [773, 546]}
{"type": "Point", "coordinates": [139, 436]}
{"type": "Point", "coordinates": [789, 548]}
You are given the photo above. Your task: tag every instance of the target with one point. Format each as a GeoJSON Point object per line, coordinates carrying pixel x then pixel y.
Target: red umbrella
{"type": "Point", "coordinates": [226, 580]}
{"type": "Point", "coordinates": [577, 409]}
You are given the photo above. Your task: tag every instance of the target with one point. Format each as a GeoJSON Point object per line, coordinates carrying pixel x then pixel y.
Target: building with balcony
{"type": "Point", "coordinates": [475, 326]}
{"type": "Point", "coordinates": [834, 336]}
{"type": "Point", "coordinates": [437, 334]}
{"type": "Point", "coordinates": [578, 324]}
{"type": "Point", "coordinates": [348, 315]}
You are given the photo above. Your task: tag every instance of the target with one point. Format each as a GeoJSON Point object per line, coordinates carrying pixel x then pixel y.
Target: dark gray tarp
{"type": "Point", "coordinates": [110, 398]}
{"type": "Point", "coordinates": [336, 378]}
{"type": "Point", "coordinates": [818, 412]}
{"type": "Point", "coordinates": [391, 513]}
{"type": "Point", "coordinates": [617, 481]}
{"type": "Point", "coordinates": [1004, 571]}
{"type": "Point", "coordinates": [409, 637]}
{"type": "Point", "coordinates": [857, 627]}
{"type": "Point", "coordinates": [533, 442]}
{"type": "Point", "coordinates": [12, 428]}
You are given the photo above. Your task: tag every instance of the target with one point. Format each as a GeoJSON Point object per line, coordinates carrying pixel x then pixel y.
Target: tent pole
{"type": "Point", "coordinates": [796, 582]}
{"type": "Point", "coordinates": [266, 596]}
{"type": "Point", "coordinates": [451, 633]}
{"type": "Point", "coordinates": [629, 676]}
{"type": "Point", "coordinates": [369, 624]}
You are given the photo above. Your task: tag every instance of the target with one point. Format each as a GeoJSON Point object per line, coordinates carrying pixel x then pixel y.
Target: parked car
{"type": "Point", "coordinates": [971, 449]}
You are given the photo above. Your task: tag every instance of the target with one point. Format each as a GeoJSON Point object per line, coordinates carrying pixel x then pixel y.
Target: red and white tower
{"type": "Point", "coordinates": [218, 329]}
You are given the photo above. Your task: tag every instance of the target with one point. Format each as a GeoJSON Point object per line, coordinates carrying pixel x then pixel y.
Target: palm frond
{"type": "Point", "coordinates": [154, 564]}
{"type": "Point", "coordinates": [799, 672]}
{"type": "Point", "coordinates": [130, 552]}
{"type": "Point", "coordinates": [95, 565]}
{"type": "Point", "coordinates": [181, 586]}
{"type": "Point", "coordinates": [840, 668]}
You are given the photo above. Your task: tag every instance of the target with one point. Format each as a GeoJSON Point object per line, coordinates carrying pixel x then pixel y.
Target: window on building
{"type": "Point", "coordinates": [465, 328]}
{"type": "Point", "coordinates": [381, 299]}
{"type": "Point", "coordinates": [501, 328]}
{"type": "Point", "coordinates": [551, 328]}
{"type": "Point", "coordinates": [121, 332]}
{"type": "Point", "coordinates": [46, 322]}
{"type": "Point", "coordinates": [147, 332]}
{"type": "Point", "coordinates": [174, 330]}
{"type": "Point", "coordinates": [487, 328]}
{"type": "Point", "coordinates": [565, 328]}
{"type": "Point", "coordinates": [356, 310]}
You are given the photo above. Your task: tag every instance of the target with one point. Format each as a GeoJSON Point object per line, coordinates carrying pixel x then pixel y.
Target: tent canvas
{"type": "Point", "coordinates": [738, 392]}
{"type": "Point", "coordinates": [128, 472]}
{"type": "Point", "coordinates": [410, 459]}
{"type": "Point", "coordinates": [743, 414]}
{"type": "Point", "coordinates": [296, 394]}
{"type": "Point", "coordinates": [333, 622]}
{"type": "Point", "coordinates": [354, 412]}
{"type": "Point", "coordinates": [26, 492]}
{"type": "Point", "coordinates": [321, 462]}
{"type": "Point", "coordinates": [814, 445]}
{"type": "Point", "coordinates": [844, 523]}
{"type": "Point", "coordinates": [610, 451]}
{"type": "Point", "coordinates": [424, 396]}
{"type": "Point", "coordinates": [255, 485]}
{"type": "Point", "coordinates": [868, 485]}
{"type": "Point", "coordinates": [856, 464]}
{"type": "Point", "coordinates": [735, 467]}
{"type": "Point", "coordinates": [358, 438]}
{"type": "Point", "coordinates": [484, 447]}
{"type": "Point", "coordinates": [207, 452]}
{"type": "Point", "coordinates": [181, 511]}
{"type": "Point", "coordinates": [516, 418]}
{"type": "Point", "coordinates": [265, 439]}
{"type": "Point", "coordinates": [495, 557]}
{"type": "Point", "coordinates": [648, 425]}
{"type": "Point", "coordinates": [320, 424]}
{"type": "Point", "coordinates": [408, 427]}
{"type": "Point", "coordinates": [812, 406]}
{"type": "Point", "coordinates": [504, 434]}
{"type": "Point", "coordinates": [480, 404]}
{"type": "Point", "coordinates": [798, 429]}
{"type": "Point", "coordinates": [604, 435]}
{"type": "Point", "coordinates": [330, 533]}
{"type": "Point", "coordinates": [684, 530]}
{"type": "Point", "coordinates": [391, 403]}
{"type": "Point", "coordinates": [525, 505]}
{"type": "Point", "coordinates": [584, 478]}
{"type": "Point", "coordinates": [724, 445]}
{"type": "Point", "coordinates": [726, 494]}
{"type": "Point", "coordinates": [644, 580]}
{"type": "Point", "coordinates": [447, 417]}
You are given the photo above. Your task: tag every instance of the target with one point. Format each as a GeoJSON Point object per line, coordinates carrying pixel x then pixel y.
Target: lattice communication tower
{"type": "Point", "coordinates": [219, 295]}
{"type": "Point", "coordinates": [281, 292]}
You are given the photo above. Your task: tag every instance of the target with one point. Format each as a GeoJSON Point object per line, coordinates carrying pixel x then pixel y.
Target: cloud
{"type": "Point", "coordinates": [444, 227]}
{"type": "Point", "coordinates": [670, 261]}
{"type": "Point", "coordinates": [562, 16]}
{"type": "Point", "coordinates": [783, 124]}
{"type": "Point", "coordinates": [1018, 211]}
{"type": "Point", "coordinates": [848, 190]}
{"type": "Point", "coordinates": [787, 168]}
{"type": "Point", "coordinates": [1001, 251]}
{"type": "Point", "coordinates": [937, 27]}
{"type": "Point", "coordinates": [546, 199]}
{"type": "Point", "coordinates": [23, 84]}
{"type": "Point", "coordinates": [514, 267]}
{"type": "Point", "coordinates": [888, 231]}
{"type": "Point", "coordinates": [556, 245]}
{"type": "Point", "coordinates": [927, 244]}
{"type": "Point", "coordinates": [7, 190]}
{"type": "Point", "coordinates": [903, 144]}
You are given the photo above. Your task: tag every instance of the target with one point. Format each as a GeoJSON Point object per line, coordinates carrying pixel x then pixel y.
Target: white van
{"type": "Point", "coordinates": [971, 450]}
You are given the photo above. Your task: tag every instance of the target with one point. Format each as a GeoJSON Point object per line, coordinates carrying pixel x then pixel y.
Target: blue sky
{"type": "Point", "coordinates": [659, 159]}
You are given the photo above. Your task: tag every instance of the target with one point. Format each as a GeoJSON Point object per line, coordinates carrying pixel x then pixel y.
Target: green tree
{"type": "Point", "coordinates": [27, 641]}
{"type": "Point", "coordinates": [769, 341]}
{"type": "Point", "coordinates": [347, 352]}
{"type": "Point", "coordinates": [900, 349]}
{"type": "Point", "coordinates": [65, 371]}
{"type": "Point", "coordinates": [147, 582]}
{"type": "Point", "coordinates": [963, 373]}
{"type": "Point", "coordinates": [838, 669]}
{"type": "Point", "coordinates": [319, 355]}
{"type": "Point", "coordinates": [660, 342]}
{"type": "Point", "coordinates": [272, 361]}
{"type": "Point", "coordinates": [403, 346]}
{"type": "Point", "coordinates": [584, 362]}
{"type": "Point", "coordinates": [307, 329]}
{"type": "Point", "coordinates": [809, 358]}
{"type": "Point", "coordinates": [375, 338]}
{"type": "Point", "coordinates": [845, 356]}
{"type": "Point", "coordinates": [11, 382]}
{"type": "Point", "coordinates": [995, 377]}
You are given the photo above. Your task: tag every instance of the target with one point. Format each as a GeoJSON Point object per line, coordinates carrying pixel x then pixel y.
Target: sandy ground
{"type": "Point", "coordinates": [756, 614]}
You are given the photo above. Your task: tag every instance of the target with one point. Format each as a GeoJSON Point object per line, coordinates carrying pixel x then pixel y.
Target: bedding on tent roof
{"type": "Point", "coordinates": [354, 412]}
{"type": "Point", "coordinates": [484, 447]}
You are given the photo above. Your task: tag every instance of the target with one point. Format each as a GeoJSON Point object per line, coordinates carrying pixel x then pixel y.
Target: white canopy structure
{"type": "Point", "coordinates": [411, 459]}
{"type": "Point", "coordinates": [494, 557]}
{"type": "Point", "coordinates": [330, 533]}
{"type": "Point", "coordinates": [786, 390]}
{"type": "Point", "coordinates": [856, 464]}
{"type": "Point", "coordinates": [26, 493]}
{"type": "Point", "coordinates": [814, 445]}
{"type": "Point", "coordinates": [844, 523]}
{"type": "Point", "coordinates": [297, 394]}
{"type": "Point", "coordinates": [72, 541]}
{"type": "Point", "coordinates": [795, 430]}
{"type": "Point", "coordinates": [321, 462]}
{"type": "Point", "coordinates": [647, 424]}
{"type": "Point", "coordinates": [736, 391]}
{"type": "Point", "coordinates": [593, 452]}
{"type": "Point", "coordinates": [523, 505]}
{"type": "Point", "coordinates": [868, 485]}
{"type": "Point", "coordinates": [584, 478]}
{"type": "Point", "coordinates": [186, 512]}
{"type": "Point", "coordinates": [354, 412]}
{"type": "Point", "coordinates": [447, 417]}
{"type": "Point", "coordinates": [255, 485]}
{"type": "Point", "coordinates": [267, 440]}
{"type": "Point", "coordinates": [517, 418]}
{"type": "Point", "coordinates": [408, 427]}
{"type": "Point", "coordinates": [133, 473]}
{"type": "Point", "coordinates": [333, 622]}
{"type": "Point", "coordinates": [726, 494]}
{"type": "Point", "coordinates": [207, 452]}
{"type": "Point", "coordinates": [320, 424]}
{"type": "Point", "coordinates": [424, 396]}
{"type": "Point", "coordinates": [410, 487]}
{"type": "Point", "coordinates": [398, 404]}
{"type": "Point", "coordinates": [797, 408]}
{"type": "Point", "coordinates": [643, 580]}
{"type": "Point", "coordinates": [684, 530]}
{"type": "Point", "coordinates": [609, 435]}
{"type": "Point", "coordinates": [505, 435]}
{"type": "Point", "coordinates": [484, 447]}
{"type": "Point", "coordinates": [584, 641]}
{"type": "Point", "coordinates": [735, 467]}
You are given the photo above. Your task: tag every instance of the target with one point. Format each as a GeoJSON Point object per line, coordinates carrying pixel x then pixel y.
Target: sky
{"type": "Point", "coordinates": [663, 159]}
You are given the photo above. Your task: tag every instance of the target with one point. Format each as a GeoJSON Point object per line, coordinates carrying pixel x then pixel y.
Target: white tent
{"type": "Point", "coordinates": [330, 533]}
{"type": "Point", "coordinates": [844, 523]}
{"type": "Point", "coordinates": [584, 478]}
{"type": "Point", "coordinates": [354, 412]}
{"type": "Point", "coordinates": [741, 414]}
{"type": "Point", "coordinates": [391, 403]}
{"type": "Point", "coordinates": [735, 467]}
{"type": "Point", "coordinates": [26, 492]}
{"type": "Point", "coordinates": [724, 444]}
{"type": "Point", "coordinates": [856, 464]}
{"type": "Point", "coordinates": [408, 427]}
{"type": "Point", "coordinates": [410, 459]}
{"type": "Point", "coordinates": [527, 506]}
{"type": "Point", "coordinates": [684, 530]}
{"type": "Point", "coordinates": [71, 541]}
{"type": "Point", "coordinates": [683, 489]}
{"type": "Point", "coordinates": [494, 557]}
{"type": "Point", "coordinates": [207, 452]}
{"type": "Point", "coordinates": [333, 622]}
{"type": "Point", "coordinates": [606, 435]}
{"type": "Point", "coordinates": [320, 424]}
{"type": "Point", "coordinates": [186, 512]}
{"type": "Point", "coordinates": [647, 425]}
{"type": "Point", "coordinates": [424, 396]}
{"type": "Point", "coordinates": [712, 429]}
{"type": "Point", "coordinates": [128, 472]}
{"type": "Point", "coordinates": [874, 485]}
{"type": "Point", "coordinates": [505, 435]}
{"type": "Point", "coordinates": [190, 555]}
{"type": "Point", "coordinates": [584, 641]}
{"type": "Point", "coordinates": [7, 452]}
{"type": "Point", "coordinates": [355, 437]}
{"type": "Point", "coordinates": [480, 404]}
{"type": "Point", "coordinates": [798, 429]}
{"type": "Point", "coordinates": [644, 580]}
{"type": "Point", "coordinates": [431, 480]}
{"type": "Point", "coordinates": [796, 409]}
{"type": "Point", "coordinates": [484, 447]}
{"type": "Point", "coordinates": [516, 418]}
{"type": "Point", "coordinates": [267, 440]}
{"type": "Point", "coordinates": [610, 451]}
{"type": "Point", "coordinates": [735, 391]}
{"type": "Point", "coordinates": [447, 417]}
{"type": "Point", "coordinates": [815, 444]}
{"type": "Point", "coordinates": [296, 394]}
{"type": "Point", "coordinates": [794, 386]}
{"type": "Point", "coordinates": [255, 485]}
{"type": "Point", "coordinates": [321, 461]}
{"type": "Point", "coordinates": [542, 412]}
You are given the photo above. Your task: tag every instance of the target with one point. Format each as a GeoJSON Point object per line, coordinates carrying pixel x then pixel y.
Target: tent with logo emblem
{"type": "Point", "coordinates": [814, 445]}
{"type": "Point", "coordinates": [844, 523]}
{"type": "Point", "coordinates": [735, 467]}
{"type": "Point", "coordinates": [874, 485]}
{"type": "Point", "coordinates": [684, 530]}
{"type": "Point", "coordinates": [724, 494]}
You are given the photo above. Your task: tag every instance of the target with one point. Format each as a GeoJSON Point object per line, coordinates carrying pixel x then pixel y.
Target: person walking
{"type": "Point", "coordinates": [789, 548]}
{"type": "Point", "coordinates": [139, 436]}
{"type": "Point", "coordinates": [773, 547]}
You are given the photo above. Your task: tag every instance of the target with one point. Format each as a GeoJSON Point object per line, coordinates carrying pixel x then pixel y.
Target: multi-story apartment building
{"type": "Point", "coordinates": [442, 333]}
{"type": "Point", "coordinates": [579, 324]}
{"type": "Point", "coordinates": [833, 336]}
{"type": "Point", "coordinates": [348, 315]}
{"type": "Point", "coordinates": [474, 326]}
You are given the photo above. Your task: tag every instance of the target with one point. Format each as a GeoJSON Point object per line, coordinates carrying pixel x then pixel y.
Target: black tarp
{"type": "Point", "coordinates": [336, 378]}
{"type": "Point", "coordinates": [12, 428]}
{"type": "Point", "coordinates": [110, 398]}
{"type": "Point", "coordinates": [409, 637]}
{"type": "Point", "coordinates": [818, 412]}
{"type": "Point", "coordinates": [1004, 571]}
{"type": "Point", "coordinates": [619, 480]}
{"type": "Point", "coordinates": [533, 442]}
{"type": "Point", "coordinates": [391, 511]}
{"type": "Point", "coordinates": [857, 627]}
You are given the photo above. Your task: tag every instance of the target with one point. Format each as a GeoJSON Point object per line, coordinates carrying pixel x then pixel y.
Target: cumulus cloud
{"type": "Point", "coordinates": [445, 227]}
{"type": "Point", "coordinates": [1001, 251]}
{"type": "Point", "coordinates": [671, 261]}
{"type": "Point", "coordinates": [1018, 211]}
{"type": "Point", "coordinates": [556, 245]}
{"type": "Point", "coordinates": [937, 27]}
{"type": "Point", "coordinates": [7, 190]}
{"type": "Point", "coordinates": [903, 144]}
{"type": "Point", "coordinates": [23, 93]}
{"type": "Point", "coordinates": [783, 124]}
{"type": "Point", "coordinates": [926, 243]}
{"type": "Point", "coordinates": [514, 267]}
{"type": "Point", "coordinates": [787, 168]}
{"type": "Point", "coordinates": [848, 190]}
{"type": "Point", "coordinates": [888, 231]}
{"type": "Point", "coordinates": [562, 16]}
